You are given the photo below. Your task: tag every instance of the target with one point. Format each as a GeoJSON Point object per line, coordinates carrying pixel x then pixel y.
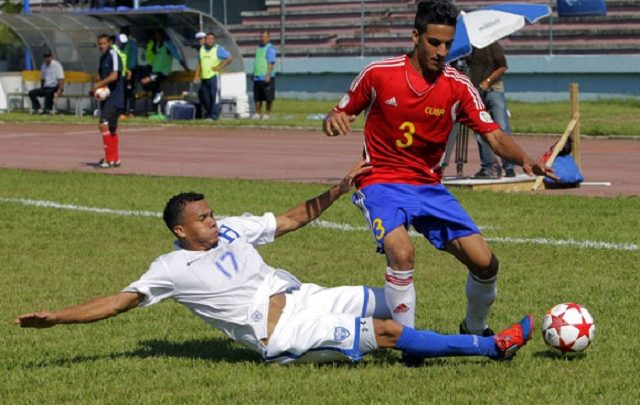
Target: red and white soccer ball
{"type": "Point", "coordinates": [102, 93]}
{"type": "Point", "coordinates": [568, 328]}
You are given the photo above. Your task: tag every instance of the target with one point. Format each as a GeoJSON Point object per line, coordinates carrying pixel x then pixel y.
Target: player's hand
{"type": "Point", "coordinates": [43, 319]}
{"type": "Point", "coordinates": [348, 180]}
{"type": "Point", "coordinates": [267, 79]}
{"type": "Point", "coordinates": [337, 123]}
{"type": "Point", "coordinates": [538, 169]}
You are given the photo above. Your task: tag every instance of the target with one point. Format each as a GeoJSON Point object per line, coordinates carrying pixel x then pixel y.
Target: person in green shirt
{"type": "Point", "coordinates": [264, 80]}
{"type": "Point", "coordinates": [212, 58]}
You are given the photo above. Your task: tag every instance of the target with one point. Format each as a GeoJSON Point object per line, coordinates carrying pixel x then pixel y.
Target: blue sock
{"type": "Point", "coordinates": [425, 343]}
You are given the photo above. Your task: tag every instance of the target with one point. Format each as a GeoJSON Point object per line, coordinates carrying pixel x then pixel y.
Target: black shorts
{"type": "Point", "coordinates": [109, 115]}
{"type": "Point", "coordinates": [263, 91]}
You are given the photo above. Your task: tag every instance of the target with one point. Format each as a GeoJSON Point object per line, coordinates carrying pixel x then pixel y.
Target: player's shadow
{"type": "Point", "coordinates": [546, 354]}
{"type": "Point", "coordinates": [213, 349]}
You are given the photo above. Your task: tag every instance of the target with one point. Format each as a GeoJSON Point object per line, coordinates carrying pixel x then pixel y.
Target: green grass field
{"type": "Point", "coordinates": [164, 354]}
{"type": "Point", "coordinates": [603, 117]}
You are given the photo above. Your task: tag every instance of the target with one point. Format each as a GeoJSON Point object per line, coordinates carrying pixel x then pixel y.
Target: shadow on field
{"type": "Point", "coordinates": [228, 351]}
{"type": "Point", "coordinates": [213, 349]}
{"type": "Point", "coordinates": [546, 354]}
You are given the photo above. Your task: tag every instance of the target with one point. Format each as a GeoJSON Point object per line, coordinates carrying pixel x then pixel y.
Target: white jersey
{"type": "Point", "coordinates": [228, 286]}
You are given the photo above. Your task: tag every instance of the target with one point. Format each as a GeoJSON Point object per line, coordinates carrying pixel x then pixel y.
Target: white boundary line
{"type": "Point", "coordinates": [582, 244]}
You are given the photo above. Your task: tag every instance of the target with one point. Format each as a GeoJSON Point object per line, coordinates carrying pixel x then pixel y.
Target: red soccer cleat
{"type": "Point", "coordinates": [510, 340]}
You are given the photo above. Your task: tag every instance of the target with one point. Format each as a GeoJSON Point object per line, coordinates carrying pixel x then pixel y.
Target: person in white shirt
{"type": "Point", "coordinates": [219, 275]}
{"type": "Point", "coordinates": [51, 84]}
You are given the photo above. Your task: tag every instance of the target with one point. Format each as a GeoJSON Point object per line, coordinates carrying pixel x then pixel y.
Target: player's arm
{"type": "Point", "coordinates": [223, 64]}
{"type": "Point", "coordinates": [311, 209]}
{"type": "Point", "coordinates": [337, 123]}
{"type": "Point", "coordinates": [92, 311]}
{"type": "Point", "coordinates": [113, 76]}
{"type": "Point", "coordinates": [226, 59]}
{"type": "Point", "coordinates": [505, 147]}
{"type": "Point", "coordinates": [338, 120]}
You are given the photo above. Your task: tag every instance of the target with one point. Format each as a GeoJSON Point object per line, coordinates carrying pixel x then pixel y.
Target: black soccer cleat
{"type": "Point", "coordinates": [486, 332]}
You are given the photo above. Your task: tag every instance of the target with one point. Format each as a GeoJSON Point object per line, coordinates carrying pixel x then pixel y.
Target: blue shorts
{"type": "Point", "coordinates": [431, 209]}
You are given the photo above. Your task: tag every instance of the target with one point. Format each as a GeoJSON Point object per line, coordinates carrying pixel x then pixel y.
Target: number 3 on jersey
{"type": "Point", "coordinates": [408, 130]}
{"type": "Point", "coordinates": [378, 229]}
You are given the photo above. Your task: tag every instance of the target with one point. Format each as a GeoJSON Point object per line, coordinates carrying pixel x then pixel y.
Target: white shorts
{"type": "Point", "coordinates": [321, 324]}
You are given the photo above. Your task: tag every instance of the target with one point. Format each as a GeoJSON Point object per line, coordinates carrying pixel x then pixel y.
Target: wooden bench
{"type": "Point", "coordinates": [82, 83]}
{"type": "Point", "coordinates": [77, 86]}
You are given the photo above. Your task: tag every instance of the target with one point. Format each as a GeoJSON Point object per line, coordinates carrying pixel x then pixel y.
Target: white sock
{"type": "Point", "coordinates": [480, 297]}
{"type": "Point", "coordinates": [400, 296]}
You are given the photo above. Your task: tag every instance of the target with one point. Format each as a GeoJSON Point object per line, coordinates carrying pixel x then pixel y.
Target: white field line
{"type": "Point", "coordinates": [582, 244]}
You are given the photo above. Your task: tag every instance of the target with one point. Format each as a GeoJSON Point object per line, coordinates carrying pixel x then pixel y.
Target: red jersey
{"type": "Point", "coordinates": [408, 121]}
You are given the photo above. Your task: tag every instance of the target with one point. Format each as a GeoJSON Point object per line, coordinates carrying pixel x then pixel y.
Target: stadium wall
{"type": "Point", "coordinates": [529, 78]}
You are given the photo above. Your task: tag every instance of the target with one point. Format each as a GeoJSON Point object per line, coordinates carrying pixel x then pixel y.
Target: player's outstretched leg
{"type": "Point", "coordinates": [425, 343]}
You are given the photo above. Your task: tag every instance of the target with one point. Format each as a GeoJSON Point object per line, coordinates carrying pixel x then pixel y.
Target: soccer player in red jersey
{"type": "Point", "coordinates": [411, 104]}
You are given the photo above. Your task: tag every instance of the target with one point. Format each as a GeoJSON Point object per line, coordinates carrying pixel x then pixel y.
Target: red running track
{"type": "Point", "coordinates": [273, 154]}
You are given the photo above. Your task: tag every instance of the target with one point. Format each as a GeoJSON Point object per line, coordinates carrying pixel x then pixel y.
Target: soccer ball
{"type": "Point", "coordinates": [102, 93]}
{"type": "Point", "coordinates": [568, 328]}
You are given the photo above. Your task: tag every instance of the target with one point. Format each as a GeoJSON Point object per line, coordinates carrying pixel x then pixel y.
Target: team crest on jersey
{"type": "Point", "coordinates": [344, 101]}
{"type": "Point", "coordinates": [340, 334]}
{"type": "Point", "coordinates": [486, 117]}
{"type": "Point", "coordinates": [256, 316]}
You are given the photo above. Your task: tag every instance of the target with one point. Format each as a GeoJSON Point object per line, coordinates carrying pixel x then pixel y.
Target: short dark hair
{"type": "Point", "coordinates": [211, 33]}
{"type": "Point", "coordinates": [441, 12]}
{"type": "Point", "coordinates": [172, 213]}
{"type": "Point", "coordinates": [103, 36]}
{"type": "Point", "coordinates": [47, 54]}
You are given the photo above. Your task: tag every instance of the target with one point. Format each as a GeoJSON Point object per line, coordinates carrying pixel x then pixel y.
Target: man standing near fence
{"type": "Point", "coordinates": [264, 80]}
{"type": "Point", "coordinates": [51, 84]}
{"type": "Point", "coordinates": [486, 67]}
{"type": "Point", "coordinates": [212, 58]}
{"type": "Point", "coordinates": [110, 76]}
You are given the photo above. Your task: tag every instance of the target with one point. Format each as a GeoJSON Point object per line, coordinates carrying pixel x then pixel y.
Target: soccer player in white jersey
{"type": "Point", "coordinates": [219, 275]}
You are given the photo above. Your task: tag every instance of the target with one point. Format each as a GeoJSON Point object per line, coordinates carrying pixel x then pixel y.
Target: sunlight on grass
{"type": "Point", "coordinates": [164, 354]}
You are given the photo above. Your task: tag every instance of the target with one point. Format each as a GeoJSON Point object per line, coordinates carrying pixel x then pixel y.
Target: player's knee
{"type": "Point", "coordinates": [486, 268]}
{"type": "Point", "coordinates": [401, 257]}
{"type": "Point", "coordinates": [387, 332]}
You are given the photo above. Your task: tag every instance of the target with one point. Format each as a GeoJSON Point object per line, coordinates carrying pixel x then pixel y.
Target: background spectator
{"type": "Point", "coordinates": [212, 58]}
{"type": "Point", "coordinates": [264, 81]}
{"type": "Point", "coordinates": [486, 67]}
{"type": "Point", "coordinates": [51, 84]}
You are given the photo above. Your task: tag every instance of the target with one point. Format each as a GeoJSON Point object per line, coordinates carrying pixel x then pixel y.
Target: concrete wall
{"type": "Point", "coordinates": [529, 78]}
